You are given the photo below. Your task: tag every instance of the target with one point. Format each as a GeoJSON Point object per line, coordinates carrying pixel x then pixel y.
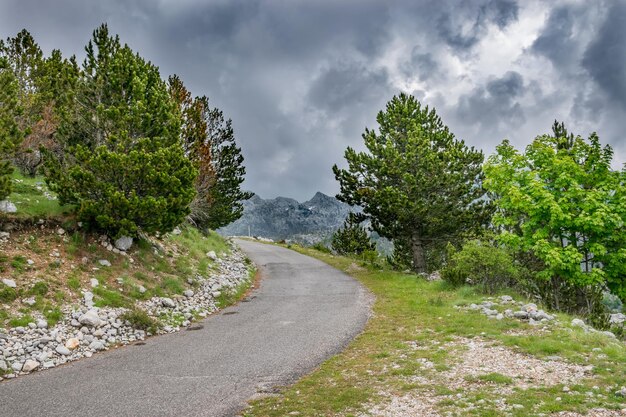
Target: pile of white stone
{"type": "Point", "coordinates": [518, 310]}
{"type": "Point", "coordinates": [493, 308]}
{"type": "Point", "coordinates": [87, 329]}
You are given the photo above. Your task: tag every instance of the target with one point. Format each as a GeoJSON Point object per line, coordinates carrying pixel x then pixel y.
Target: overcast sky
{"type": "Point", "coordinates": [302, 79]}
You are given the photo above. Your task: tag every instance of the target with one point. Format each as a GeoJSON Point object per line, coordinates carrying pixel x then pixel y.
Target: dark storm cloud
{"type": "Point", "coordinates": [556, 42]}
{"type": "Point", "coordinates": [337, 87]}
{"type": "Point", "coordinates": [302, 79]}
{"type": "Point", "coordinates": [463, 26]}
{"type": "Point", "coordinates": [605, 58]}
{"type": "Point", "coordinates": [496, 103]}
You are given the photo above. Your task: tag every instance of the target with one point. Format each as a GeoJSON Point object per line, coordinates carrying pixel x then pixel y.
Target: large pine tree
{"type": "Point", "coordinates": [419, 185]}
{"type": "Point", "coordinates": [209, 142]}
{"type": "Point", "coordinates": [123, 163]}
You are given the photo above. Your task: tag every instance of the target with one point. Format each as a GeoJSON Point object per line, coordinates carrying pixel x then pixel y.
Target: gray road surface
{"type": "Point", "coordinates": [304, 312]}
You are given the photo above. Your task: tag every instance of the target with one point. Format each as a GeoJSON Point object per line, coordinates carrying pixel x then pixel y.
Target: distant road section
{"type": "Point", "coordinates": [303, 312]}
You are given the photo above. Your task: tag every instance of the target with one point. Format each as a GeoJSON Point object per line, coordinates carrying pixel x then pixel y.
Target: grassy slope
{"type": "Point", "coordinates": [56, 280]}
{"type": "Point", "coordinates": [31, 197]}
{"type": "Point", "coordinates": [61, 265]}
{"type": "Point", "coordinates": [411, 309]}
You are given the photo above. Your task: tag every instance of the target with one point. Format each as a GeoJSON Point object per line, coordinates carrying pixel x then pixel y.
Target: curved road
{"type": "Point", "coordinates": [304, 312]}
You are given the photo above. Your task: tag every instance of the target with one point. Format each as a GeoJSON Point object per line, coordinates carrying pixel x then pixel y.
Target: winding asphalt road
{"type": "Point", "coordinates": [303, 312]}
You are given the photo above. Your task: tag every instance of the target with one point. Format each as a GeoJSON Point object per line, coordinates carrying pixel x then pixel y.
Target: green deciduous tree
{"type": "Point", "coordinates": [419, 185]}
{"type": "Point", "coordinates": [562, 202]}
{"type": "Point", "coordinates": [352, 238]}
{"type": "Point", "coordinates": [10, 134]}
{"type": "Point", "coordinates": [123, 163]}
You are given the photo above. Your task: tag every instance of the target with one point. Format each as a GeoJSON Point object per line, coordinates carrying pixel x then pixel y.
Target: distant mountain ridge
{"type": "Point", "coordinates": [285, 218]}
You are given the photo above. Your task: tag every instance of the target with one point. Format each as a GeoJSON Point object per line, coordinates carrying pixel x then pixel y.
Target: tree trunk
{"type": "Point", "coordinates": [417, 249]}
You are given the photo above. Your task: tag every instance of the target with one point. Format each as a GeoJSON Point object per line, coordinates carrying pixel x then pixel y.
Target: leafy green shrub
{"type": "Point", "coordinates": [352, 238]}
{"type": "Point", "coordinates": [483, 264]}
{"type": "Point", "coordinates": [7, 294]}
{"type": "Point", "coordinates": [139, 319]}
{"type": "Point", "coordinates": [561, 201]}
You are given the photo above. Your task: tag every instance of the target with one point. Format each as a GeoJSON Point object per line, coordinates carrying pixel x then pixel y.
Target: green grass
{"type": "Point", "coordinates": [21, 321]}
{"type": "Point", "coordinates": [410, 311]}
{"type": "Point", "coordinates": [109, 298]}
{"type": "Point", "coordinates": [139, 319]}
{"type": "Point", "coordinates": [7, 294]}
{"type": "Point", "coordinates": [493, 377]}
{"type": "Point", "coordinates": [39, 288]}
{"type": "Point", "coordinates": [28, 196]}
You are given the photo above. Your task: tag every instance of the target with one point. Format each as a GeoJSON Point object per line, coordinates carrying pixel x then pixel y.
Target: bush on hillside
{"type": "Point", "coordinates": [483, 264]}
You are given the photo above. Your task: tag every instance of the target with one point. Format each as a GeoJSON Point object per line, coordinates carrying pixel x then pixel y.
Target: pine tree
{"type": "Point", "coordinates": [209, 143]}
{"type": "Point", "coordinates": [419, 185]}
{"type": "Point", "coordinates": [10, 134]}
{"type": "Point", "coordinates": [226, 195]}
{"type": "Point", "coordinates": [123, 164]}
{"type": "Point", "coordinates": [352, 238]}
{"type": "Point", "coordinates": [45, 87]}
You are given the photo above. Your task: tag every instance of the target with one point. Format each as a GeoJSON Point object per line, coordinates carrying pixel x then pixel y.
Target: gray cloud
{"type": "Point", "coordinates": [464, 26]}
{"type": "Point", "coordinates": [496, 104]}
{"type": "Point", "coordinates": [605, 58]}
{"type": "Point", "coordinates": [301, 80]}
{"type": "Point", "coordinates": [422, 64]}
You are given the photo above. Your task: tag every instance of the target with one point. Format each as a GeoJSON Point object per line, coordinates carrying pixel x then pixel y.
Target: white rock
{"type": "Point", "coordinates": [124, 243]}
{"type": "Point", "coordinates": [29, 301]}
{"type": "Point", "coordinates": [3, 365]}
{"type": "Point", "coordinates": [62, 350]}
{"type": "Point", "coordinates": [104, 262]}
{"type": "Point", "coordinates": [17, 366]}
{"type": "Point", "coordinates": [142, 289]}
{"type": "Point", "coordinates": [88, 298]}
{"type": "Point", "coordinates": [9, 282]}
{"type": "Point", "coordinates": [72, 343]}
{"type": "Point", "coordinates": [168, 302]}
{"type": "Point", "coordinates": [212, 255]}
{"type": "Point", "coordinates": [60, 231]}
{"type": "Point", "coordinates": [42, 324]}
{"type": "Point", "coordinates": [188, 293]}
{"type": "Point", "coordinates": [90, 318]}
{"type": "Point", "coordinates": [520, 314]}
{"type": "Point", "coordinates": [94, 282]}
{"type": "Point", "coordinates": [30, 365]}
{"type": "Point", "coordinates": [579, 323]}
{"type": "Point", "coordinates": [176, 231]}
{"type": "Point", "coordinates": [617, 318]}
{"type": "Point", "coordinates": [7, 207]}
{"type": "Point", "coordinates": [30, 262]}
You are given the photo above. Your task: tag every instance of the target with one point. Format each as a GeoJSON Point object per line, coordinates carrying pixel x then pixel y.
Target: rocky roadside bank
{"type": "Point", "coordinates": [86, 329]}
